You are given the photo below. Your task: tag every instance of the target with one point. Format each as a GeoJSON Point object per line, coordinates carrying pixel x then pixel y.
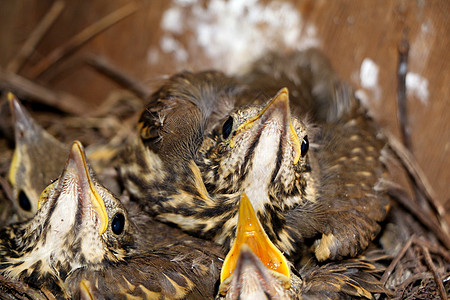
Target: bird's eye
{"type": "Point", "coordinates": [305, 145]}
{"type": "Point", "coordinates": [227, 127]}
{"type": "Point", "coordinates": [118, 223]}
{"type": "Point", "coordinates": [24, 202]}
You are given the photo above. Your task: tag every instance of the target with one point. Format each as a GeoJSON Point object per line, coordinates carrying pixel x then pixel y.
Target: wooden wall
{"type": "Point", "coordinates": [163, 37]}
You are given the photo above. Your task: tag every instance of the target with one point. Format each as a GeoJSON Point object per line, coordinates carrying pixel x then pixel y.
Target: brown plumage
{"type": "Point", "coordinates": [81, 232]}
{"type": "Point", "coordinates": [356, 278]}
{"type": "Point", "coordinates": [253, 269]}
{"type": "Point", "coordinates": [17, 290]}
{"type": "Point", "coordinates": [38, 159]}
{"type": "Point", "coordinates": [246, 137]}
{"type": "Point", "coordinates": [182, 109]}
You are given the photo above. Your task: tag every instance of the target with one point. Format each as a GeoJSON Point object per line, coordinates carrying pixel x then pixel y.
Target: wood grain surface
{"type": "Point", "coordinates": [164, 37]}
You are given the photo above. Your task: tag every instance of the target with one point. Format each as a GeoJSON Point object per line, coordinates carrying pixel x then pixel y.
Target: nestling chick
{"type": "Point", "coordinates": [312, 185]}
{"type": "Point", "coordinates": [82, 232]}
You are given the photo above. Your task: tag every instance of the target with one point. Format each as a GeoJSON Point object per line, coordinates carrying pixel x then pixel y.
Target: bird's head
{"type": "Point", "coordinates": [38, 159]}
{"type": "Point", "coordinates": [262, 151]}
{"type": "Point", "coordinates": [173, 123]}
{"type": "Point", "coordinates": [79, 223]}
{"type": "Point", "coordinates": [255, 269]}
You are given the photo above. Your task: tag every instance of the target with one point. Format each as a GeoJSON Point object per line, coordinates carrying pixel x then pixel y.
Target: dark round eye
{"type": "Point", "coordinates": [24, 202]}
{"type": "Point", "coordinates": [305, 145]}
{"type": "Point", "coordinates": [118, 223]}
{"type": "Point", "coordinates": [227, 127]}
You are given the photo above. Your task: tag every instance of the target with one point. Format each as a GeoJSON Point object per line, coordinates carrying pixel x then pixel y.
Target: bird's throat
{"type": "Point", "coordinates": [262, 170]}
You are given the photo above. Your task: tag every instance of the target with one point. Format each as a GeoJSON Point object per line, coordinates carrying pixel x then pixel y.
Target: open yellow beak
{"type": "Point", "coordinates": [279, 102]}
{"type": "Point", "coordinates": [251, 233]}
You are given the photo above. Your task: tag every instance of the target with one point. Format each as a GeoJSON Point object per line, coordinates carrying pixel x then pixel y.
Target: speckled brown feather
{"type": "Point", "coordinates": [338, 198]}
{"type": "Point", "coordinates": [355, 278]}
{"type": "Point", "coordinates": [350, 199]}
{"type": "Point", "coordinates": [16, 290]}
{"type": "Point", "coordinates": [149, 255]}
{"type": "Point", "coordinates": [310, 78]}
{"type": "Point", "coordinates": [168, 265]}
{"type": "Point", "coordinates": [173, 122]}
{"type": "Point", "coordinates": [38, 159]}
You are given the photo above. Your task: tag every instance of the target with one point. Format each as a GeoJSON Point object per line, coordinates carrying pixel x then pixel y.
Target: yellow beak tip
{"type": "Point", "coordinates": [250, 233]}
{"type": "Point", "coordinates": [11, 96]}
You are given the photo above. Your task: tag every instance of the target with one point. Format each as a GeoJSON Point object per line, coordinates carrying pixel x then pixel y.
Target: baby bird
{"type": "Point", "coordinates": [82, 233]}
{"type": "Point", "coordinates": [255, 269]}
{"type": "Point", "coordinates": [311, 185]}
{"type": "Point", "coordinates": [38, 159]}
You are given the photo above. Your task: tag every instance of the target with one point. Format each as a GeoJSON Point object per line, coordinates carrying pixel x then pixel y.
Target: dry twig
{"type": "Point", "coordinates": [396, 260]}
{"type": "Point", "coordinates": [424, 246]}
{"type": "Point", "coordinates": [422, 189]}
{"type": "Point", "coordinates": [425, 217]}
{"type": "Point", "coordinates": [434, 271]}
{"type": "Point", "coordinates": [82, 37]}
{"type": "Point", "coordinates": [35, 37]}
{"type": "Point", "coordinates": [102, 65]}
{"type": "Point", "coordinates": [435, 248]}
{"type": "Point", "coordinates": [23, 87]}
{"type": "Point", "coordinates": [413, 168]}
{"type": "Point", "coordinates": [413, 278]}
{"type": "Point", "coordinates": [402, 70]}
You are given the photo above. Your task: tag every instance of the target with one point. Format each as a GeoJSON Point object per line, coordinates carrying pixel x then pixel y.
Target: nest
{"type": "Point", "coordinates": [420, 265]}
